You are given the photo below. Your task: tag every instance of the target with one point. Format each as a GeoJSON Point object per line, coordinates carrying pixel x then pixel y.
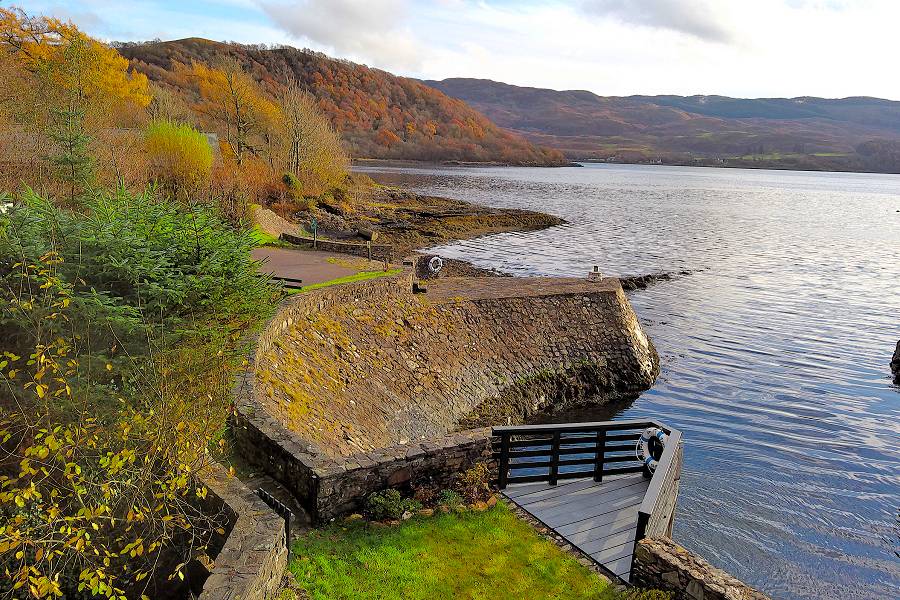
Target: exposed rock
{"type": "Point", "coordinates": [367, 234]}
{"type": "Point", "coordinates": [895, 364]}
{"type": "Point", "coordinates": [642, 282]}
{"type": "Point", "coordinates": [409, 221]}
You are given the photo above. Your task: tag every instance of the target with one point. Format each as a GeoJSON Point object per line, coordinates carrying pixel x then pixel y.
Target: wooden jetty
{"type": "Point", "coordinates": [584, 481]}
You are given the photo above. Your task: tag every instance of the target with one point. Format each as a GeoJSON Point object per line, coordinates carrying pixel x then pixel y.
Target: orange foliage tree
{"type": "Point", "coordinates": [233, 103]}
{"type": "Point", "coordinates": [67, 86]}
{"type": "Point", "coordinates": [74, 67]}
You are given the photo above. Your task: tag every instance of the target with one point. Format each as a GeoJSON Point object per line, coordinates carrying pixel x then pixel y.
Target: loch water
{"type": "Point", "coordinates": [774, 349]}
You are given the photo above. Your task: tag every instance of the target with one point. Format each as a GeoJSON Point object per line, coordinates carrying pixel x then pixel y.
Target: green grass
{"type": "Point", "coordinates": [470, 555]}
{"type": "Point", "coordinates": [264, 239]}
{"type": "Point", "coordinates": [361, 276]}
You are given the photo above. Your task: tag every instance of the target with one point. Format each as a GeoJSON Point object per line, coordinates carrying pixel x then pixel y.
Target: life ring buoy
{"type": "Point", "coordinates": [435, 264]}
{"type": "Point", "coordinates": [650, 446]}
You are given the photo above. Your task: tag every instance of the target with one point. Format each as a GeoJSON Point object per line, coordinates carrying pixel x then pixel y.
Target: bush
{"type": "Point", "coordinates": [389, 505]}
{"type": "Point", "coordinates": [119, 329]}
{"type": "Point", "coordinates": [451, 500]}
{"type": "Point", "coordinates": [180, 156]}
{"type": "Point", "coordinates": [339, 194]}
{"type": "Point", "coordinates": [293, 185]}
{"type": "Point", "coordinates": [474, 485]}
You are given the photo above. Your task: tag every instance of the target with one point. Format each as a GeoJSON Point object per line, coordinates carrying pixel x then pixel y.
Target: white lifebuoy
{"type": "Point", "coordinates": [642, 449]}
{"type": "Point", "coordinates": [435, 264]}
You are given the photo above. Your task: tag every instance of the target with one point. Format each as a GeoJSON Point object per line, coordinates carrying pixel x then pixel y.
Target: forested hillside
{"type": "Point", "coordinates": [379, 115]}
{"type": "Point", "coordinates": [806, 133]}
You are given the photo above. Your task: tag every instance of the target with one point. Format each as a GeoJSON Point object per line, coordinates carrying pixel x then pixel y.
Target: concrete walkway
{"type": "Point", "coordinates": [309, 265]}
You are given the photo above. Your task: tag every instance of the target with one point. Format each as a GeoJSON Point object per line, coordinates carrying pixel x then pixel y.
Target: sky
{"type": "Point", "coordinates": [742, 48]}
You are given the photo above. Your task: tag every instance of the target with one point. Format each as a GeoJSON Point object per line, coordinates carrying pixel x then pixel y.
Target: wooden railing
{"type": "Point", "coordinates": [552, 452]}
{"type": "Point", "coordinates": [657, 511]}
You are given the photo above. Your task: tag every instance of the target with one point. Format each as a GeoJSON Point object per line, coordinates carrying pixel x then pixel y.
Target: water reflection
{"type": "Point", "coordinates": [774, 352]}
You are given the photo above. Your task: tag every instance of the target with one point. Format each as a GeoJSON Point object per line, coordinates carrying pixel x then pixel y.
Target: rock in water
{"type": "Point", "coordinates": [895, 364]}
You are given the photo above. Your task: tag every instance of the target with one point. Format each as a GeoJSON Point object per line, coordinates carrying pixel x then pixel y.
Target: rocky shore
{"type": "Point", "coordinates": [411, 221]}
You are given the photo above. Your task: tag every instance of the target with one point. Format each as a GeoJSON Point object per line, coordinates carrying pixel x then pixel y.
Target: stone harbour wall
{"type": "Point", "coordinates": [254, 556]}
{"type": "Point", "coordinates": [365, 386]}
{"type": "Point", "coordinates": [361, 367]}
{"type": "Point", "coordinates": [380, 252]}
{"type": "Point", "coordinates": [660, 563]}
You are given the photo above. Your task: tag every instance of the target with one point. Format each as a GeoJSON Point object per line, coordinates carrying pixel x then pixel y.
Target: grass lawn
{"type": "Point", "coordinates": [490, 554]}
{"type": "Point", "coordinates": [264, 239]}
{"type": "Point", "coordinates": [361, 276]}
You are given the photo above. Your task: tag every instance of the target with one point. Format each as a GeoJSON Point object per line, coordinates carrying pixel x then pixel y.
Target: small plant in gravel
{"type": "Point", "coordinates": [390, 505]}
{"type": "Point", "coordinates": [641, 594]}
{"type": "Point", "coordinates": [451, 499]}
{"type": "Point", "coordinates": [474, 485]}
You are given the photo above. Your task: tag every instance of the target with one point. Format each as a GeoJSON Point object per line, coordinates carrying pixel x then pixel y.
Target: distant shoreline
{"type": "Point", "coordinates": [408, 163]}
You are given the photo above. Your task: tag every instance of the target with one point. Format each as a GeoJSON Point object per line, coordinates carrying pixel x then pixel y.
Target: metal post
{"type": "Point", "coordinates": [554, 458]}
{"type": "Point", "coordinates": [369, 249]}
{"type": "Point", "coordinates": [600, 455]}
{"type": "Point", "coordinates": [504, 460]}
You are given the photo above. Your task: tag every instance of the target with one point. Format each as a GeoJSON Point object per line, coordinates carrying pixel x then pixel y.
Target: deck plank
{"type": "Point", "coordinates": [588, 489]}
{"type": "Point", "coordinates": [599, 518]}
{"type": "Point", "coordinates": [586, 511]}
{"type": "Point", "coordinates": [583, 506]}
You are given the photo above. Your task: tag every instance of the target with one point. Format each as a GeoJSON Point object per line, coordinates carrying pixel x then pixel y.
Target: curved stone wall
{"type": "Point", "coordinates": [360, 387]}
{"type": "Point", "coordinates": [355, 368]}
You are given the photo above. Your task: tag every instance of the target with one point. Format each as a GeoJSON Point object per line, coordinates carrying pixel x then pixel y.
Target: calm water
{"type": "Point", "coordinates": [774, 352]}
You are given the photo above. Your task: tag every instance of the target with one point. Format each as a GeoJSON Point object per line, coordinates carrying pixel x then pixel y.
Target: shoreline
{"type": "Point", "coordinates": [579, 162]}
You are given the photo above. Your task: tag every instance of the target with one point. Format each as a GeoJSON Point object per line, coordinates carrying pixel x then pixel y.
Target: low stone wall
{"type": "Point", "coordinates": [365, 386]}
{"type": "Point", "coordinates": [660, 563]}
{"type": "Point", "coordinates": [253, 558]}
{"type": "Point", "coordinates": [328, 488]}
{"type": "Point", "coordinates": [379, 252]}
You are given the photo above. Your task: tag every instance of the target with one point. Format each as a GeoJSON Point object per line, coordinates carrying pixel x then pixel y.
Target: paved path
{"type": "Point", "coordinates": [309, 265]}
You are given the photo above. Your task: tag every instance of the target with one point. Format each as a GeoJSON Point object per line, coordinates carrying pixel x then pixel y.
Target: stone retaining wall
{"type": "Point", "coordinates": [379, 252]}
{"type": "Point", "coordinates": [363, 386]}
{"type": "Point", "coordinates": [254, 555]}
{"type": "Point", "coordinates": [660, 563]}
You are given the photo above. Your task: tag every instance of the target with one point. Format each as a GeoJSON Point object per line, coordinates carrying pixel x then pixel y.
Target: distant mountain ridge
{"type": "Point", "coordinates": [378, 114]}
{"type": "Point", "coordinates": [857, 133]}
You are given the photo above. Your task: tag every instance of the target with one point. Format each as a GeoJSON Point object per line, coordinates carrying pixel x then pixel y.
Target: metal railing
{"type": "Point", "coordinates": [283, 511]}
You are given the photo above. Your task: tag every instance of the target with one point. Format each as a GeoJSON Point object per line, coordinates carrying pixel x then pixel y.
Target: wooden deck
{"type": "Point", "coordinates": [583, 481]}
{"type": "Point", "coordinates": [599, 518]}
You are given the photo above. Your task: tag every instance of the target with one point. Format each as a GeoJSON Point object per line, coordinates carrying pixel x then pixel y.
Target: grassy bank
{"type": "Point", "coordinates": [490, 554]}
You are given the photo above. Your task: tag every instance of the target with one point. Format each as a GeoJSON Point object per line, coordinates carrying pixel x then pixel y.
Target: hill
{"type": "Point", "coordinates": [379, 115]}
{"type": "Point", "coordinates": [806, 133]}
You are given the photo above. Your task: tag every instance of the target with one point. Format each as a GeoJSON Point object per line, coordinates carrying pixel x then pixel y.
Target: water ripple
{"type": "Point", "coordinates": [774, 353]}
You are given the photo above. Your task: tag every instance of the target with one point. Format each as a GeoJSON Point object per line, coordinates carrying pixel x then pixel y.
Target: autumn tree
{"type": "Point", "coordinates": [233, 103]}
{"type": "Point", "coordinates": [166, 105]}
{"type": "Point", "coordinates": [310, 147]}
{"type": "Point", "coordinates": [73, 86]}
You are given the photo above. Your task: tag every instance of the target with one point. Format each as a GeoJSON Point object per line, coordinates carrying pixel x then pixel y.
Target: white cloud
{"type": "Point", "coordinates": [702, 19]}
{"type": "Point", "coordinates": [371, 31]}
{"type": "Point", "coordinates": [758, 48]}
